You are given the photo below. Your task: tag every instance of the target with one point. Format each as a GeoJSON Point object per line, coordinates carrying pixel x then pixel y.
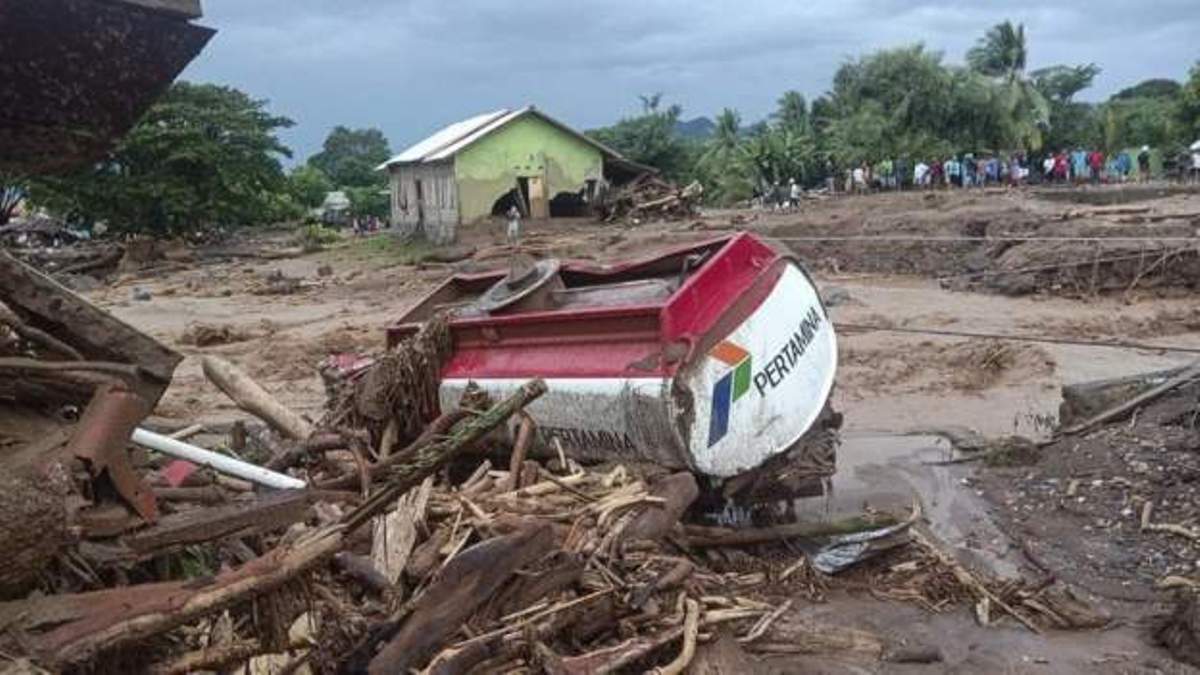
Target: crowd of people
{"type": "Point", "coordinates": [1064, 167]}
{"type": "Point", "coordinates": [985, 169]}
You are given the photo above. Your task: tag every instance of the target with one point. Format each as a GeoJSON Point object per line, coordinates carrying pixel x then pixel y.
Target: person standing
{"type": "Point", "coordinates": [953, 172]}
{"type": "Point", "coordinates": [902, 172]}
{"type": "Point", "coordinates": [1079, 166]}
{"type": "Point", "coordinates": [795, 193]}
{"type": "Point", "coordinates": [1143, 159]}
{"type": "Point", "coordinates": [1096, 165]}
{"type": "Point", "coordinates": [1061, 167]}
{"type": "Point", "coordinates": [1194, 174]}
{"type": "Point", "coordinates": [1048, 168]}
{"type": "Point", "coordinates": [920, 175]}
{"type": "Point", "coordinates": [513, 234]}
{"type": "Point", "coordinates": [935, 173]}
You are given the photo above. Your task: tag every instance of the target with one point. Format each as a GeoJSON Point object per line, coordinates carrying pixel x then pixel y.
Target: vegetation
{"type": "Point", "coordinates": [349, 159]}
{"type": "Point", "coordinates": [314, 237]}
{"type": "Point", "coordinates": [203, 156]}
{"type": "Point", "coordinates": [907, 102]}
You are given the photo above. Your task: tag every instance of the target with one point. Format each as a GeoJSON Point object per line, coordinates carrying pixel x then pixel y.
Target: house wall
{"type": "Point", "coordinates": [435, 215]}
{"type": "Point", "coordinates": [527, 146]}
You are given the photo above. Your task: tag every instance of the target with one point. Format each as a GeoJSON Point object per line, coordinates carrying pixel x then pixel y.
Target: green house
{"type": "Point", "coordinates": [483, 166]}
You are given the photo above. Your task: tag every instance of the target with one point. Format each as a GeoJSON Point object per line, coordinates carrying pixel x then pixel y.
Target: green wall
{"type": "Point", "coordinates": [527, 146]}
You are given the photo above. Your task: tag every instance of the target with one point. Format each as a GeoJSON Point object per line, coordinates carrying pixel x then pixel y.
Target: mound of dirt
{"type": "Point", "coordinates": [970, 366]}
{"type": "Point", "coordinates": [981, 364]}
{"type": "Point", "coordinates": [207, 335]}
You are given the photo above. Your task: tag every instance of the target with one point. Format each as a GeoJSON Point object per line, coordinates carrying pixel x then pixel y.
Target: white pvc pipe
{"type": "Point", "coordinates": [218, 462]}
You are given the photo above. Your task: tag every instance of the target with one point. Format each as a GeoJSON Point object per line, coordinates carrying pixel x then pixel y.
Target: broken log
{"type": "Point", "coordinates": [706, 537]}
{"type": "Point", "coordinates": [530, 586]}
{"type": "Point", "coordinates": [240, 519]}
{"type": "Point", "coordinates": [654, 521]}
{"type": "Point", "coordinates": [1087, 399]}
{"type": "Point", "coordinates": [44, 304]}
{"type": "Point", "coordinates": [1185, 376]}
{"type": "Point", "coordinates": [468, 581]}
{"type": "Point", "coordinates": [618, 657]}
{"type": "Point", "coordinates": [251, 397]}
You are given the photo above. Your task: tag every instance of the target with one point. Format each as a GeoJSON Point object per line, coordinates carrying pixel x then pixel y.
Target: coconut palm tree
{"type": "Point", "coordinates": [792, 112]}
{"type": "Point", "coordinates": [722, 159]}
{"type": "Point", "coordinates": [1001, 54]}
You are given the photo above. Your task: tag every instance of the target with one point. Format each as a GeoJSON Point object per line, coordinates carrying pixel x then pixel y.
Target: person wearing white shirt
{"type": "Point", "coordinates": [921, 174]}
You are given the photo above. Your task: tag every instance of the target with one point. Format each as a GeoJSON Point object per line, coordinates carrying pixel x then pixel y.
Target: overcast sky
{"type": "Point", "coordinates": [410, 67]}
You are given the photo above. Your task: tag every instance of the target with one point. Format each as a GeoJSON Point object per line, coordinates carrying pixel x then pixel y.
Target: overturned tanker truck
{"type": "Point", "coordinates": [717, 357]}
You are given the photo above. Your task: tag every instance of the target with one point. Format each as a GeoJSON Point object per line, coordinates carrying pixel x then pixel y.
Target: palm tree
{"type": "Point", "coordinates": [721, 158]}
{"type": "Point", "coordinates": [1001, 54]}
{"type": "Point", "coordinates": [792, 113]}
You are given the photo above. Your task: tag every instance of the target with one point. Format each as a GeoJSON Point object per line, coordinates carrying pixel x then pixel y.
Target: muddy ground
{"type": "Point", "coordinates": [898, 391]}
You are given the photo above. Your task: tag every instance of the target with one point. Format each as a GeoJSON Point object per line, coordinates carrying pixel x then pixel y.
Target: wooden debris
{"type": "Point", "coordinates": [704, 537]}
{"type": "Point", "coordinates": [251, 397]}
{"type": "Point", "coordinates": [466, 583]}
{"type": "Point", "coordinates": [1188, 374]}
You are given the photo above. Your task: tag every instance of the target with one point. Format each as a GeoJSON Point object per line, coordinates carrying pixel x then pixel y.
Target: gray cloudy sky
{"type": "Point", "coordinates": [412, 66]}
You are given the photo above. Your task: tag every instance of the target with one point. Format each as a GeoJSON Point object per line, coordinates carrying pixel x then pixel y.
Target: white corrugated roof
{"type": "Point", "coordinates": [488, 127]}
{"type": "Point", "coordinates": [454, 138]}
{"type": "Point", "coordinates": [421, 151]}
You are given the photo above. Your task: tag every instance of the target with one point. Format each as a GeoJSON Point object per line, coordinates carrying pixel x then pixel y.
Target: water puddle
{"type": "Point", "coordinates": [887, 471]}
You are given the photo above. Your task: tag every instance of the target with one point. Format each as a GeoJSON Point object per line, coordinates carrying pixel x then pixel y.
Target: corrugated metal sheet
{"type": "Point", "coordinates": [421, 151]}
{"type": "Point", "coordinates": [451, 140]}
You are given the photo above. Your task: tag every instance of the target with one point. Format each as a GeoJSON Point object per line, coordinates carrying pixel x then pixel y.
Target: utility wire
{"type": "Point", "coordinates": [1049, 339]}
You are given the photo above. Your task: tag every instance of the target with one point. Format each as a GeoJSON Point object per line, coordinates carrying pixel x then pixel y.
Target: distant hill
{"type": "Point", "coordinates": [699, 127]}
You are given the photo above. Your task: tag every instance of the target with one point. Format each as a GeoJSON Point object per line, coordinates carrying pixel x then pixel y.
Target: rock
{"type": "Point", "coordinates": [835, 295]}
{"type": "Point", "coordinates": [1014, 284]}
{"type": "Point", "coordinates": [913, 654]}
{"type": "Point", "coordinates": [325, 270]}
{"type": "Point", "coordinates": [81, 283]}
{"type": "Point", "coordinates": [141, 294]}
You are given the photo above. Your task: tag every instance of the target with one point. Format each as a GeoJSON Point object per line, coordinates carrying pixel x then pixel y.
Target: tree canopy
{"type": "Point", "coordinates": [650, 138]}
{"type": "Point", "coordinates": [202, 155]}
{"type": "Point", "coordinates": [349, 157]}
{"type": "Point", "coordinates": [1152, 88]}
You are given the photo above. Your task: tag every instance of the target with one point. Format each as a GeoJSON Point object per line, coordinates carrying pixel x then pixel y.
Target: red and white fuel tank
{"type": "Point", "coordinates": [717, 356]}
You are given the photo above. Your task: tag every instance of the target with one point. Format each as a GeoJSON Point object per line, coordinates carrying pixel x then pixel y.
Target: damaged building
{"type": "Point", "coordinates": [482, 166]}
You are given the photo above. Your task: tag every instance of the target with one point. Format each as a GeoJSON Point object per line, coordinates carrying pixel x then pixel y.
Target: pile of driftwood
{"type": "Point", "coordinates": [649, 196]}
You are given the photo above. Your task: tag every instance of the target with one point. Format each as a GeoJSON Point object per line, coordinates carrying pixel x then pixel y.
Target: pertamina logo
{"type": "Point", "coordinates": [731, 387]}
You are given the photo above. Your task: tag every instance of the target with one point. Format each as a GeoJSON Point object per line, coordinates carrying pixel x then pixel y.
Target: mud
{"type": "Point", "coordinates": [892, 388]}
{"type": "Point", "coordinates": [964, 239]}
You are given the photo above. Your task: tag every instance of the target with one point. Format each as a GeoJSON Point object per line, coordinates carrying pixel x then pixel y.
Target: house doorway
{"type": "Point", "coordinates": [535, 190]}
